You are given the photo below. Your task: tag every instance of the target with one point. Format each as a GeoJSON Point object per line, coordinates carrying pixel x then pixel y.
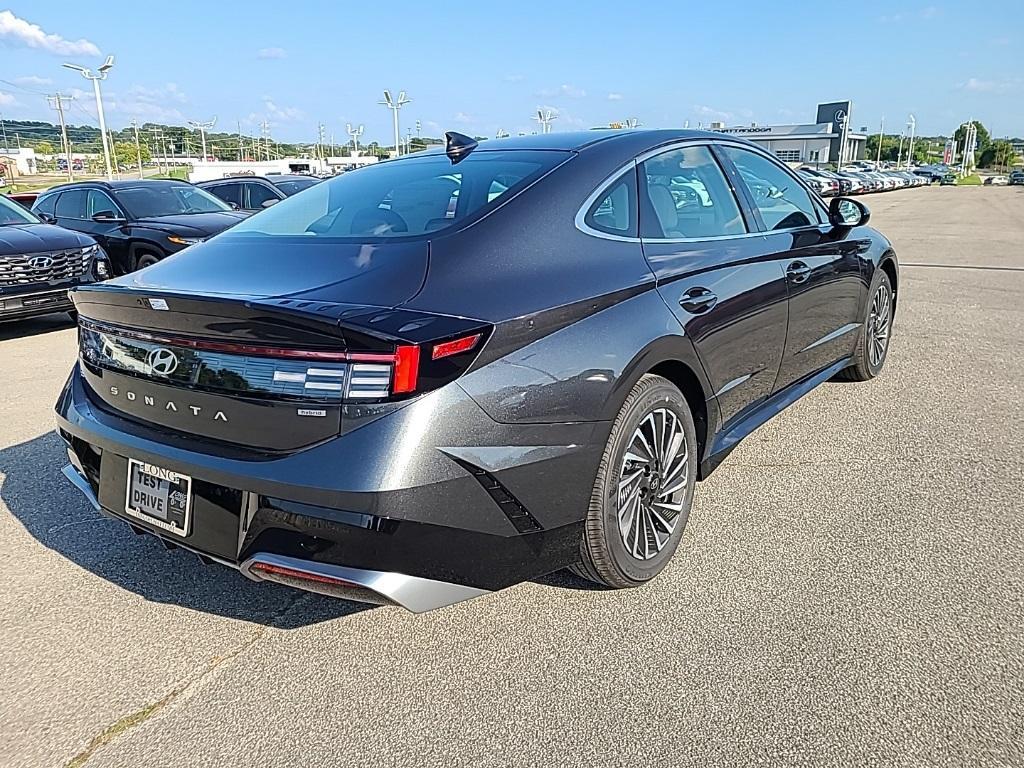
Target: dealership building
{"type": "Point", "coordinates": [817, 142]}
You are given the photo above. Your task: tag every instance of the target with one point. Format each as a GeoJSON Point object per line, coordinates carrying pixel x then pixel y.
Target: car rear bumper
{"type": "Point", "coordinates": [438, 518]}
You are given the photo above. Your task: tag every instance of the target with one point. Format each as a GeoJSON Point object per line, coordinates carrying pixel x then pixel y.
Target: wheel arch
{"type": "Point", "coordinates": [675, 359]}
{"type": "Point", "coordinates": [889, 266]}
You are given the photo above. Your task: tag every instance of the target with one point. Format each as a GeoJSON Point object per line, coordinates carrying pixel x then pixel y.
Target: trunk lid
{"type": "Point", "coordinates": [239, 344]}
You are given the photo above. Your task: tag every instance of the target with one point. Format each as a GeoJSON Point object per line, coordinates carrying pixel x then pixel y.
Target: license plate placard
{"type": "Point", "coordinates": [159, 497]}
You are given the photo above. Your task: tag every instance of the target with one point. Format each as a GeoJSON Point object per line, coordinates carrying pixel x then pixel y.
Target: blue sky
{"type": "Point", "coordinates": [492, 67]}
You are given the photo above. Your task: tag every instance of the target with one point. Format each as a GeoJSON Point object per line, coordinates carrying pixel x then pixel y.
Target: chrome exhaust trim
{"type": "Point", "coordinates": [413, 593]}
{"type": "Point", "coordinates": [77, 479]}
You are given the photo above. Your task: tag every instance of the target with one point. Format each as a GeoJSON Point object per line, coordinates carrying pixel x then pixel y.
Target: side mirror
{"type": "Point", "coordinates": [270, 202]}
{"type": "Point", "coordinates": [106, 217]}
{"type": "Point", "coordinates": [234, 206]}
{"type": "Point", "coordinates": [47, 218]}
{"type": "Point", "coordinates": [844, 212]}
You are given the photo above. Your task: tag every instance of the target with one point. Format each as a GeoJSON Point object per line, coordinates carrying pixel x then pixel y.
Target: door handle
{"type": "Point", "coordinates": [697, 300]}
{"type": "Point", "coordinates": [798, 272]}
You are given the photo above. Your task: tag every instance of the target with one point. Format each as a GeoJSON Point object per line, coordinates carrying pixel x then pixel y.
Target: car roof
{"type": "Point", "coordinates": [574, 141]}
{"type": "Point", "coordinates": [116, 184]}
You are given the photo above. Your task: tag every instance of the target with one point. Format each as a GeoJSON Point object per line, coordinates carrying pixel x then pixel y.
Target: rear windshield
{"type": "Point", "coordinates": [411, 197]}
{"type": "Point", "coordinates": [168, 200]}
{"type": "Point", "coordinates": [292, 186]}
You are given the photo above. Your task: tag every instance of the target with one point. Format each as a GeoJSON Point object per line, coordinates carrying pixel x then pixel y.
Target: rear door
{"type": "Point", "coordinates": [822, 266]}
{"type": "Point", "coordinates": [715, 271]}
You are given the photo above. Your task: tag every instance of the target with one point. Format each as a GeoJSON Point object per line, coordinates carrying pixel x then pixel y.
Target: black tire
{"type": "Point", "coordinates": [605, 551]}
{"type": "Point", "coordinates": [145, 259]}
{"type": "Point", "coordinates": [868, 363]}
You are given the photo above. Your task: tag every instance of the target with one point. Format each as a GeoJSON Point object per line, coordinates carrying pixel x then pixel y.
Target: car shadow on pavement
{"type": "Point", "coordinates": [22, 329]}
{"type": "Point", "coordinates": [56, 515]}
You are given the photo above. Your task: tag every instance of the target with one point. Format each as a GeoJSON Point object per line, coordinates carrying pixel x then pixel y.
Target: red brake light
{"type": "Point", "coordinates": [449, 348]}
{"type": "Point", "coordinates": [407, 369]}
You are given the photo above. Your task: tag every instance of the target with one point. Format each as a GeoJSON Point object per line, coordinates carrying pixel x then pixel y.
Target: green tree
{"type": "Point", "coordinates": [44, 147]}
{"type": "Point", "coordinates": [998, 154]}
{"type": "Point", "coordinates": [126, 156]}
{"type": "Point", "coordinates": [984, 140]}
{"type": "Point", "coordinates": [891, 149]}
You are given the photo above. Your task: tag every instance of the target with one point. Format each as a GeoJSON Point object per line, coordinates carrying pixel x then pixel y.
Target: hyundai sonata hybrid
{"type": "Point", "coordinates": [433, 378]}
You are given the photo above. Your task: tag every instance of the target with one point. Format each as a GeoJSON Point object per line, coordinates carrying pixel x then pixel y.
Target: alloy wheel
{"type": "Point", "coordinates": [653, 480]}
{"type": "Point", "coordinates": [878, 325]}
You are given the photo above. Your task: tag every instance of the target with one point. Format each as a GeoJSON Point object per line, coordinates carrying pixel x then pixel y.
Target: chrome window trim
{"type": "Point", "coordinates": [603, 187]}
{"type": "Point", "coordinates": [594, 196]}
{"type": "Point", "coordinates": [679, 144]}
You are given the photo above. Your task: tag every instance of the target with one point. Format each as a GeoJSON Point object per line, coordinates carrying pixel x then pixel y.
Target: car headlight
{"type": "Point", "coordinates": [185, 240]}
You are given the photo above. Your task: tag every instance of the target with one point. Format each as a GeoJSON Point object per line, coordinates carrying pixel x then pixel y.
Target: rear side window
{"type": "Point", "coordinates": [783, 203]}
{"type": "Point", "coordinates": [45, 205]}
{"type": "Point", "coordinates": [687, 197]}
{"type": "Point", "coordinates": [257, 195]}
{"type": "Point", "coordinates": [71, 204]}
{"type": "Point", "coordinates": [614, 213]}
{"type": "Point", "coordinates": [229, 193]}
{"type": "Point", "coordinates": [411, 197]}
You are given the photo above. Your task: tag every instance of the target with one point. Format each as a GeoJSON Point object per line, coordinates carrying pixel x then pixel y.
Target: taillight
{"type": "Point", "coordinates": [407, 369]}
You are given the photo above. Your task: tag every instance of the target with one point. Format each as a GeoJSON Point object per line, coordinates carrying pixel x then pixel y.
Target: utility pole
{"type": "Point", "coordinates": [239, 141]}
{"type": "Point", "coordinates": [57, 102]}
{"type": "Point", "coordinates": [138, 150]}
{"type": "Point", "coordinates": [320, 141]}
{"type": "Point", "coordinates": [899, 155]}
{"type": "Point", "coordinates": [265, 133]}
{"type": "Point", "coordinates": [3, 127]}
{"type": "Point", "coordinates": [394, 105]}
{"type": "Point", "coordinates": [202, 127]}
{"type": "Point", "coordinates": [881, 129]}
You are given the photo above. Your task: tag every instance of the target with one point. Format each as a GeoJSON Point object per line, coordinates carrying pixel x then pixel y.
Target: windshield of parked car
{"type": "Point", "coordinates": [414, 196]}
{"type": "Point", "coordinates": [12, 213]}
{"type": "Point", "coordinates": [143, 202]}
{"type": "Point", "coordinates": [291, 186]}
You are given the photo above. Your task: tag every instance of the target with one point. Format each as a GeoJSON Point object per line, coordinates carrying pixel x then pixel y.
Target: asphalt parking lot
{"type": "Point", "coordinates": [850, 590]}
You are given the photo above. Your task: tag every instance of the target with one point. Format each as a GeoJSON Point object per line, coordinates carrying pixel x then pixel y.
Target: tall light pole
{"type": "Point", "coordinates": [354, 133]}
{"type": "Point", "coordinates": [394, 105]}
{"type": "Point", "coordinates": [881, 128]}
{"type": "Point", "coordinates": [203, 127]}
{"type": "Point", "coordinates": [99, 74]}
{"type": "Point", "coordinates": [544, 117]}
{"type": "Point", "coordinates": [899, 155]}
{"type": "Point", "coordinates": [910, 149]}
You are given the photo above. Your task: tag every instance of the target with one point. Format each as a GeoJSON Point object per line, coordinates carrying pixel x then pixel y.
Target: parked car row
{"type": "Point", "coordinates": [859, 181]}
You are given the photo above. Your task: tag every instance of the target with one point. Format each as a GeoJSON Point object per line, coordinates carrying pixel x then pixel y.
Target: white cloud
{"type": "Point", "coordinates": [513, 78]}
{"type": "Point", "coordinates": [614, 97]}
{"type": "Point", "coordinates": [711, 113]}
{"type": "Point", "coordinates": [977, 85]}
{"type": "Point", "coordinates": [7, 99]}
{"type": "Point", "coordinates": [271, 53]}
{"type": "Point", "coordinates": [18, 32]}
{"type": "Point", "coordinates": [566, 91]}
{"type": "Point", "coordinates": [274, 111]}
{"type": "Point", "coordinates": [464, 118]}
{"type": "Point", "coordinates": [33, 80]}
{"type": "Point", "coordinates": [154, 104]}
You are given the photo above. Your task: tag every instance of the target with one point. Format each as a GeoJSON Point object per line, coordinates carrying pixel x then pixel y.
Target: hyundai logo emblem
{"type": "Point", "coordinates": [40, 262]}
{"type": "Point", "coordinates": [161, 360]}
